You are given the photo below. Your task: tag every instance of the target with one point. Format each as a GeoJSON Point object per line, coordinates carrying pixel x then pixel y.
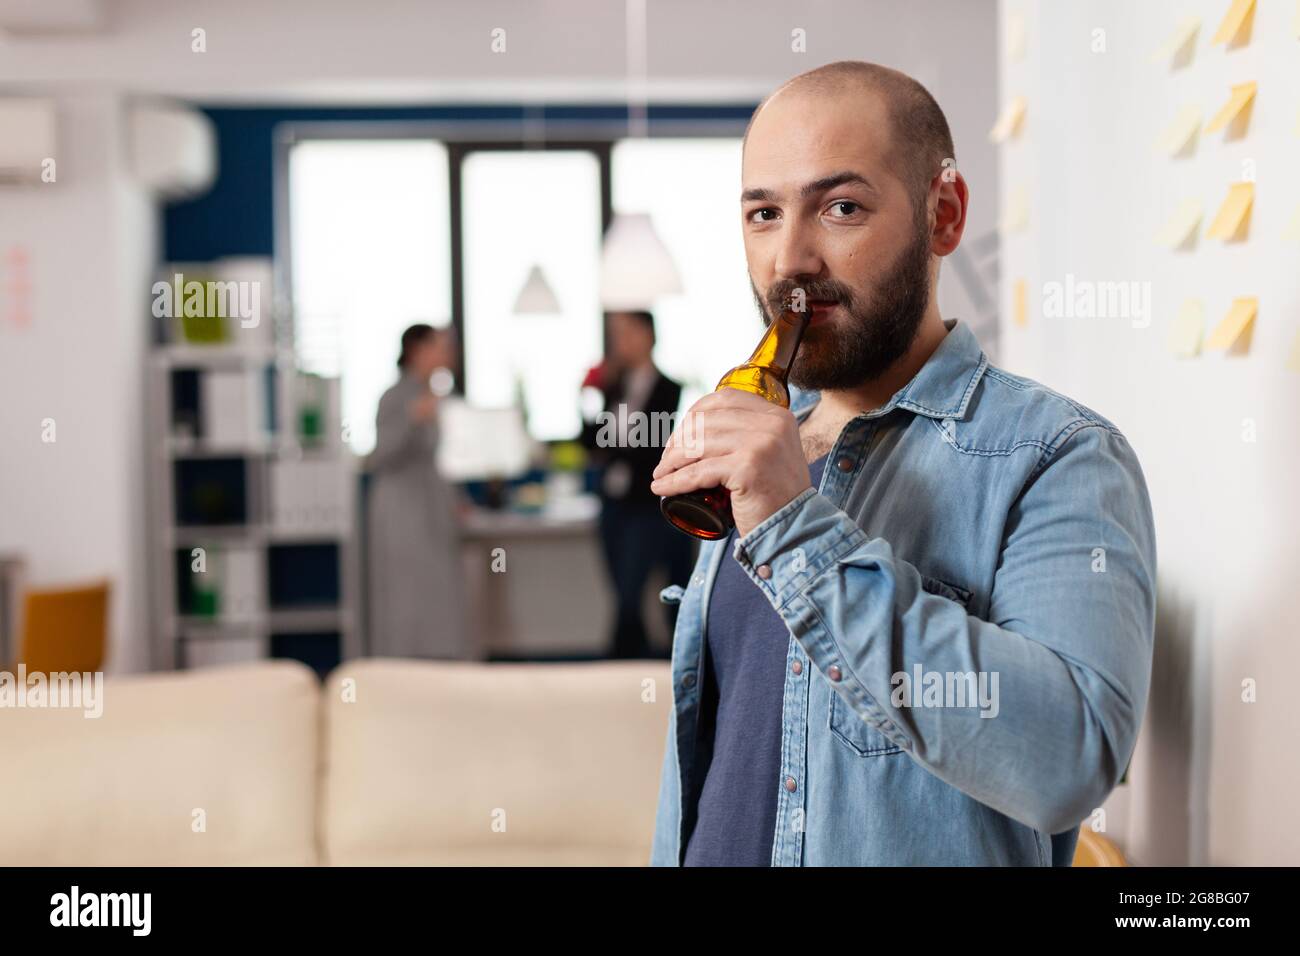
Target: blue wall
{"type": "Point", "coordinates": [237, 216]}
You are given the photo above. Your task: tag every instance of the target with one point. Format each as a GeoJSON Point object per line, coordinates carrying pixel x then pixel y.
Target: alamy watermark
{"type": "Point", "coordinates": [63, 690]}
{"type": "Point", "coordinates": [621, 428]}
{"type": "Point", "coordinates": [192, 299]}
{"type": "Point", "coordinates": [128, 910]}
{"type": "Point", "coordinates": [924, 688]}
{"type": "Point", "coordinates": [1086, 299]}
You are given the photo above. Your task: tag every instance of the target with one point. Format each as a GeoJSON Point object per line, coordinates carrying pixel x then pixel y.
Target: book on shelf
{"type": "Point", "coordinates": [242, 596]}
{"type": "Point", "coordinates": [310, 496]}
{"type": "Point", "coordinates": [232, 406]}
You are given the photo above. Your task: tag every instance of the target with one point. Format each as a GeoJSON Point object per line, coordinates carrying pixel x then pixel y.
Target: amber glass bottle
{"type": "Point", "coordinates": [706, 512]}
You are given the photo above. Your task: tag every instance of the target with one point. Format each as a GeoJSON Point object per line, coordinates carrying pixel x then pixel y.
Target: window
{"type": "Point", "coordinates": [523, 209]}
{"type": "Point", "coordinates": [691, 189]}
{"type": "Point", "coordinates": [369, 228]}
{"type": "Point", "coordinates": [371, 237]}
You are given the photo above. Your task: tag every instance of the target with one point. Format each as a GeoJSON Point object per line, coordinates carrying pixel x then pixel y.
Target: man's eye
{"type": "Point", "coordinates": [766, 214]}
{"type": "Point", "coordinates": [852, 207]}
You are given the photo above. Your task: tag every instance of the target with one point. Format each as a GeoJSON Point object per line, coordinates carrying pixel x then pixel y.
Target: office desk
{"type": "Point", "coordinates": [553, 599]}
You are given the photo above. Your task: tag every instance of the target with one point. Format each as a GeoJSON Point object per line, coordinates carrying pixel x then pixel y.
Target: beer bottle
{"type": "Point", "coordinates": [706, 512]}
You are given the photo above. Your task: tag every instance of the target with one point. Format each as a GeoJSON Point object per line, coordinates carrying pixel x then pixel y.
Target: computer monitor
{"type": "Point", "coordinates": [482, 443]}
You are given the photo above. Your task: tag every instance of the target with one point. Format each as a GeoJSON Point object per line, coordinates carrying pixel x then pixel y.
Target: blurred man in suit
{"type": "Point", "coordinates": [628, 439]}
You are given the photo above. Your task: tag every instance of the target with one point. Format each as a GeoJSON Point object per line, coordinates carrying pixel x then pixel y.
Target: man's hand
{"type": "Point", "coordinates": [737, 440]}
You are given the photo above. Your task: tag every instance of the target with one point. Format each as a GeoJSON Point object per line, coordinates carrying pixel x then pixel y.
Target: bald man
{"type": "Point", "coordinates": [928, 639]}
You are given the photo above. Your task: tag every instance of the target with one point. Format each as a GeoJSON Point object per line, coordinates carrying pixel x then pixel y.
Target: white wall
{"type": "Point", "coordinates": [74, 507]}
{"type": "Point", "coordinates": [1213, 778]}
{"type": "Point", "coordinates": [77, 508]}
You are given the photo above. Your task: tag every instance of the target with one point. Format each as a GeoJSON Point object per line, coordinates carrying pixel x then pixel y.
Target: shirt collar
{"type": "Point", "coordinates": [941, 389]}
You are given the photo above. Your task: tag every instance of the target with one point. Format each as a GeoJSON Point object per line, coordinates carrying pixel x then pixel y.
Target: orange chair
{"type": "Point", "coordinates": [64, 629]}
{"type": "Point", "coordinates": [1095, 850]}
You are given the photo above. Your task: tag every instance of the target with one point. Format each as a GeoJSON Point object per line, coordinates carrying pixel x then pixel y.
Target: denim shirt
{"type": "Point", "coordinates": [980, 532]}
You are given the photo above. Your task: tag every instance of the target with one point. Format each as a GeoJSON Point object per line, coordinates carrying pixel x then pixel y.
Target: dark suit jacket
{"type": "Point", "coordinates": [664, 397]}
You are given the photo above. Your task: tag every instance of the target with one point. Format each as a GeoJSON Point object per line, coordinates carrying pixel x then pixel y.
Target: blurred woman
{"type": "Point", "coordinates": [416, 576]}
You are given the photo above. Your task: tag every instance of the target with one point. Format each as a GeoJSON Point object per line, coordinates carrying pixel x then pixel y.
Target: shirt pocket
{"type": "Point", "coordinates": [952, 592]}
{"type": "Point", "coordinates": [844, 722]}
{"type": "Point", "coordinates": [855, 733]}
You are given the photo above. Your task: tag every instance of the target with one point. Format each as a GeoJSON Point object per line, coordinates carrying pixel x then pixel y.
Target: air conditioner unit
{"type": "Point", "coordinates": [173, 149]}
{"type": "Point", "coordinates": [26, 138]}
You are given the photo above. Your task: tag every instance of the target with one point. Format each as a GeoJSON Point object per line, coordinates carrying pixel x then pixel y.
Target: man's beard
{"type": "Point", "coordinates": [838, 355]}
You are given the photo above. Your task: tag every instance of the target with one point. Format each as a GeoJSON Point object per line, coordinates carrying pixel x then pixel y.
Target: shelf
{"type": "Point", "coordinates": [306, 619]}
{"type": "Point", "coordinates": [217, 354]}
{"type": "Point", "coordinates": [285, 620]}
{"type": "Point", "coordinates": [277, 536]}
{"type": "Point", "coordinates": [196, 626]}
{"type": "Point", "coordinates": [198, 535]}
{"type": "Point", "coordinates": [224, 469]}
{"type": "Point", "coordinates": [177, 446]}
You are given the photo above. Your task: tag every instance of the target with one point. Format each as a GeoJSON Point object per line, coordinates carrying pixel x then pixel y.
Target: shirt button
{"type": "Point", "coordinates": [688, 680]}
{"type": "Point", "coordinates": [833, 672]}
{"type": "Point", "coordinates": [764, 571]}
{"type": "Point", "coordinates": [844, 464]}
{"type": "Point", "coordinates": [797, 667]}
{"type": "Point", "coordinates": [790, 784]}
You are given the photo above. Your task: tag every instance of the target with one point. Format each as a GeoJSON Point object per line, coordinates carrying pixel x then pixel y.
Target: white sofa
{"type": "Point", "coordinates": [261, 764]}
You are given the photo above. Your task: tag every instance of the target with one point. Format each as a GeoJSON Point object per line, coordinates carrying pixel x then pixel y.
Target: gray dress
{"type": "Point", "coordinates": [417, 588]}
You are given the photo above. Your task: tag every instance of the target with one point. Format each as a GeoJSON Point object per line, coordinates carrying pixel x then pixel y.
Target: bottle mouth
{"type": "Point", "coordinates": [692, 516]}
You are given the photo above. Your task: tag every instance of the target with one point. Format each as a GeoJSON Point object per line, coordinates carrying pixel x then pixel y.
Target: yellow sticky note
{"type": "Point", "coordinates": [1233, 20]}
{"type": "Point", "coordinates": [1015, 36]}
{"type": "Point", "coordinates": [1293, 360]}
{"type": "Point", "coordinates": [1179, 133]}
{"type": "Point", "coordinates": [1292, 233]}
{"type": "Point", "coordinates": [1233, 212]}
{"type": "Point", "coordinates": [1242, 94]}
{"type": "Point", "coordinates": [1020, 303]}
{"type": "Point", "coordinates": [1187, 28]}
{"type": "Point", "coordinates": [1009, 123]}
{"type": "Point", "coordinates": [1182, 224]}
{"type": "Point", "coordinates": [1015, 216]}
{"type": "Point", "coordinates": [1185, 334]}
{"type": "Point", "coordinates": [1234, 324]}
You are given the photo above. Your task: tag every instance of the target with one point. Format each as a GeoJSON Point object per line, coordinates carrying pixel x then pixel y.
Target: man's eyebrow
{"type": "Point", "coordinates": [760, 194]}
{"type": "Point", "coordinates": [833, 180]}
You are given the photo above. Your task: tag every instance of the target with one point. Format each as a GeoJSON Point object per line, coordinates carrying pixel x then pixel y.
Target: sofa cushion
{"type": "Point", "coordinates": [239, 743]}
{"type": "Point", "coordinates": [450, 763]}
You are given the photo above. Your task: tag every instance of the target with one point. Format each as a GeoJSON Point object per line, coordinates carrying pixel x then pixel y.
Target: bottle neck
{"type": "Point", "coordinates": [776, 350]}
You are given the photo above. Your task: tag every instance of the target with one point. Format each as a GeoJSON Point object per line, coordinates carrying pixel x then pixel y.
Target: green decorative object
{"type": "Point", "coordinates": [568, 456]}
{"type": "Point", "coordinates": [205, 588]}
{"type": "Point", "coordinates": [311, 408]}
{"type": "Point", "coordinates": [309, 425]}
{"type": "Point", "coordinates": [205, 328]}
{"type": "Point", "coordinates": [205, 603]}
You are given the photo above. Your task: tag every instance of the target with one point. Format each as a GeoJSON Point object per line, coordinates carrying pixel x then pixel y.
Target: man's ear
{"type": "Point", "coordinates": [951, 199]}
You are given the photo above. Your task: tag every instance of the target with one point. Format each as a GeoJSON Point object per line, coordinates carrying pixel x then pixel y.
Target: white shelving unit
{"type": "Point", "coordinates": [182, 638]}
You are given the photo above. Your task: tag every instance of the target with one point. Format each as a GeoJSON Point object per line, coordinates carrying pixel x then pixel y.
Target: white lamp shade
{"type": "Point", "coordinates": [635, 267]}
{"type": "Point", "coordinates": [536, 296]}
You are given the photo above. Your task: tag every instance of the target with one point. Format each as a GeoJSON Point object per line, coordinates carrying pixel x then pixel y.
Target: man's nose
{"type": "Point", "coordinates": [798, 254]}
